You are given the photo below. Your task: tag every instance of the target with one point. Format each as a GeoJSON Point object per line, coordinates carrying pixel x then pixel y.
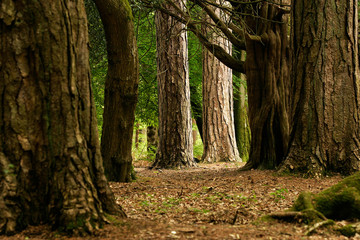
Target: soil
{"type": "Point", "coordinates": [212, 201]}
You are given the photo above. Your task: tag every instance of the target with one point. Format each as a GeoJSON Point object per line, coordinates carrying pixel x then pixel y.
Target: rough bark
{"type": "Point", "coordinates": [218, 116]}
{"type": "Point", "coordinates": [267, 73]}
{"type": "Point", "coordinates": [241, 121]}
{"type": "Point", "coordinates": [175, 148]}
{"type": "Point", "coordinates": [325, 117]}
{"type": "Point", "coordinates": [50, 163]}
{"type": "Point", "coordinates": [121, 88]}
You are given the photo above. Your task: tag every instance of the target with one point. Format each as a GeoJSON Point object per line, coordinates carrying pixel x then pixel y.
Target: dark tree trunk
{"type": "Point", "coordinates": [325, 118]}
{"type": "Point", "coordinates": [267, 73]}
{"type": "Point", "coordinates": [152, 139]}
{"type": "Point", "coordinates": [121, 88]}
{"type": "Point", "coordinates": [218, 116]}
{"type": "Point", "coordinates": [137, 133]}
{"type": "Point", "coordinates": [51, 169]}
{"type": "Point", "coordinates": [175, 148]}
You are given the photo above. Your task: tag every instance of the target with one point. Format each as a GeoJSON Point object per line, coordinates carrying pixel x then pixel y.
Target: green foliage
{"type": "Point", "coordinates": [98, 58]}
{"type": "Point", "coordinates": [279, 194]}
{"type": "Point", "coordinates": [147, 106]}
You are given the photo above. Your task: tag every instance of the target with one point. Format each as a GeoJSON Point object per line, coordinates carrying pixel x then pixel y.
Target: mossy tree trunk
{"type": "Point", "coordinates": [218, 116]}
{"type": "Point", "coordinates": [267, 74]}
{"type": "Point", "coordinates": [175, 149]}
{"type": "Point", "coordinates": [325, 117]}
{"type": "Point", "coordinates": [241, 121]}
{"type": "Point", "coordinates": [121, 88]}
{"type": "Point", "coordinates": [51, 169]}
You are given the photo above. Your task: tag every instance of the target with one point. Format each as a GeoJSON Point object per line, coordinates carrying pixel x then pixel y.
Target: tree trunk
{"type": "Point", "coordinates": [267, 74]}
{"type": "Point", "coordinates": [121, 88]}
{"type": "Point", "coordinates": [50, 163]}
{"type": "Point", "coordinates": [218, 118]}
{"type": "Point", "coordinates": [325, 117]}
{"type": "Point", "coordinates": [152, 140]}
{"type": "Point", "coordinates": [241, 122]}
{"type": "Point", "coordinates": [175, 142]}
{"type": "Point", "coordinates": [196, 108]}
{"type": "Point", "coordinates": [137, 133]}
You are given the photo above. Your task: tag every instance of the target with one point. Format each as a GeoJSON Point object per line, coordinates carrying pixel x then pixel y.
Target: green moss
{"type": "Point", "coordinates": [133, 173]}
{"type": "Point", "coordinates": [127, 7]}
{"type": "Point", "coordinates": [341, 201]}
{"type": "Point", "coordinates": [303, 202]}
{"type": "Point", "coordinates": [79, 223]}
{"type": "Point", "coordinates": [348, 231]}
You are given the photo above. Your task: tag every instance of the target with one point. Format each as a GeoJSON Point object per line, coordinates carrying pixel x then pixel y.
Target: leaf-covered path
{"type": "Point", "coordinates": [209, 202]}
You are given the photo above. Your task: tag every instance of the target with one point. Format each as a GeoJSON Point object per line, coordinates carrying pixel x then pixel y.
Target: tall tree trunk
{"type": "Point", "coordinates": [325, 120]}
{"type": "Point", "coordinates": [241, 122]}
{"type": "Point", "coordinates": [121, 88]}
{"type": "Point", "coordinates": [51, 168]}
{"type": "Point", "coordinates": [175, 142]}
{"type": "Point", "coordinates": [267, 74]}
{"type": "Point", "coordinates": [218, 117]}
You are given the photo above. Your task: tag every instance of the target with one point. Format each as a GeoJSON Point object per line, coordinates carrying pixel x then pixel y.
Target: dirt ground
{"type": "Point", "coordinates": [213, 201]}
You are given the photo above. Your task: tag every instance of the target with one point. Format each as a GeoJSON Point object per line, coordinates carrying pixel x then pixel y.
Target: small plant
{"type": "Point", "coordinates": [196, 210]}
{"type": "Point", "coordinates": [195, 195]}
{"type": "Point", "coordinates": [145, 203]}
{"type": "Point", "coordinates": [279, 194]}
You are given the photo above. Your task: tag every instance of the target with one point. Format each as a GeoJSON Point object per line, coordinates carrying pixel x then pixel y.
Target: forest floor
{"type": "Point", "coordinates": [213, 201]}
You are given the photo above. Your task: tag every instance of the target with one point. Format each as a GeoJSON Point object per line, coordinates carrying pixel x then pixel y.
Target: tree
{"type": "Point", "coordinates": [266, 68]}
{"type": "Point", "coordinates": [325, 88]}
{"type": "Point", "coordinates": [241, 122]}
{"type": "Point", "coordinates": [267, 75]}
{"type": "Point", "coordinates": [175, 147]}
{"type": "Point", "coordinates": [50, 163]}
{"type": "Point", "coordinates": [218, 117]}
{"type": "Point", "coordinates": [121, 88]}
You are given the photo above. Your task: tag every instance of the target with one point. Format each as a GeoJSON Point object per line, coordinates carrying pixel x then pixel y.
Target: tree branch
{"type": "Point", "coordinates": [215, 49]}
{"type": "Point", "coordinates": [239, 43]}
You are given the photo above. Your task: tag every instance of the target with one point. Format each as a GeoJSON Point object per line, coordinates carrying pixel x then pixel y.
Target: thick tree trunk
{"type": "Point", "coordinates": [267, 73]}
{"type": "Point", "coordinates": [218, 116]}
{"type": "Point", "coordinates": [121, 88]}
{"type": "Point", "coordinates": [241, 122]}
{"type": "Point", "coordinates": [175, 142]}
{"type": "Point", "coordinates": [50, 163]}
{"type": "Point", "coordinates": [325, 134]}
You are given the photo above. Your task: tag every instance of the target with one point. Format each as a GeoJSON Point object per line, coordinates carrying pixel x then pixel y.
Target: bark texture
{"type": "Point", "coordinates": [175, 148]}
{"type": "Point", "coordinates": [325, 134]}
{"type": "Point", "coordinates": [218, 116]}
{"type": "Point", "coordinates": [267, 72]}
{"type": "Point", "coordinates": [241, 121]}
{"type": "Point", "coordinates": [51, 168]}
{"type": "Point", "coordinates": [121, 88]}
